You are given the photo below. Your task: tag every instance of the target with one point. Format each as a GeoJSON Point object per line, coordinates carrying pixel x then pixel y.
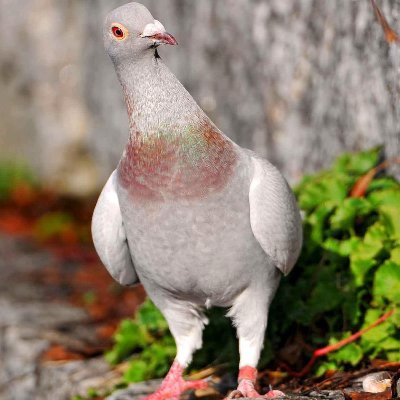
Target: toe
{"type": "Point", "coordinates": [272, 394]}
{"type": "Point", "coordinates": [194, 385]}
{"type": "Point", "coordinates": [235, 394]}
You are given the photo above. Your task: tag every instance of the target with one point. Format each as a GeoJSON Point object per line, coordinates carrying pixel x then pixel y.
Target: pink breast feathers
{"type": "Point", "coordinates": [189, 164]}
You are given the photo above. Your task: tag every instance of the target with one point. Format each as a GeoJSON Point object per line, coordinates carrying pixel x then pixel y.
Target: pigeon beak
{"type": "Point", "coordinates": [157, 32]}
{"type": "Point", "coordinates": [163, 38]}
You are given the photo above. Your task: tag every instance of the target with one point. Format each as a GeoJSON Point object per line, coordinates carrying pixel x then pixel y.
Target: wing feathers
{"type": "Point", "coordinates": [274, 215]}
{"type": "Point", "coordinates": [109, 236]}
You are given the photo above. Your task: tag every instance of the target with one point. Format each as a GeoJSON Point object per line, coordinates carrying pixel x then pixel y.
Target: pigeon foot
{"type": "Point", "coordinates": [174, 385]}
{"type": "Point", "coordinates": [246, 389]}
{"type": "Point", "coordinates": [247, 379]}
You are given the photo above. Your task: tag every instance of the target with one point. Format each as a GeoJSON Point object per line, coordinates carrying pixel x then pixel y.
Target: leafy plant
{"type": "Point", "coordinates": [348, 276]}
{"type": "Point", "coordinates": [148, 334]}
{"type": "Point", "coordinates": [147, 337]}
{"type": "Point", "coordinates": [349, 271]}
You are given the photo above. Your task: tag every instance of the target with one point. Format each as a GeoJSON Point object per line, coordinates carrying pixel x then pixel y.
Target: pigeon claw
{"type": "Point", "coordinates": [246, 389]}
{"type": "Point", "coordinates": [174, 385]}
{"type": "Point", "coordinates": [174, 390]}
{"type": "Point", "coordinates": [273, 394]}
{"type": "Point", "coordinates": [235, 394]}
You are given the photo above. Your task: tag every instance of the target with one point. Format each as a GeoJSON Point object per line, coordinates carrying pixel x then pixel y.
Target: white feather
{"type": "Point", "coordinates": [109, 235]}
{"type": "Point", "coordinates": [274, 215]}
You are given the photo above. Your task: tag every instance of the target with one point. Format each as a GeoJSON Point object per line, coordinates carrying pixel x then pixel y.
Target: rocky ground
{"type": "Point", "coordinates": [49, 349]}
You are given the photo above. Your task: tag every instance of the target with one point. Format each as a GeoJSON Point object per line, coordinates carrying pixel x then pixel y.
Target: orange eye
{"type": "Point", "coordinates": [118, 31]}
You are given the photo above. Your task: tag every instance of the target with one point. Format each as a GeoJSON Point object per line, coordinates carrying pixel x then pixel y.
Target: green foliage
{"type": "Point", "coordinates": [349, 271]}
{"type": "Point", "coordinates": [147, 341]}
{"type": "Point", "coordinates": [347, 277]}
{"type": "Point", "coordinates": [147, 335]}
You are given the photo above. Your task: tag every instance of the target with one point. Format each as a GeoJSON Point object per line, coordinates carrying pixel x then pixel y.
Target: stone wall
{"type": "Point", "coordinates": [297, 81]}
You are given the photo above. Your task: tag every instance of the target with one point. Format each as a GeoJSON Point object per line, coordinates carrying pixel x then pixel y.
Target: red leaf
{"type": "Point", "coordinates": [390, 35]}
{"type": "Point", "coordinates": [387, 394]}
{"type": "Point", "coordinates": [14, 224]}
{"type": "Point", "coordinates": [60, 353]}
{"type": "Point", "coordinates": [360, 187]}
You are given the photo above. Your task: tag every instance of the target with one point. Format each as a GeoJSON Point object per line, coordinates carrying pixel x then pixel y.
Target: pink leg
{"type": "Point", "coordinates": [247, 379]}
{"type": "Point", "coordinates": [174, 385]}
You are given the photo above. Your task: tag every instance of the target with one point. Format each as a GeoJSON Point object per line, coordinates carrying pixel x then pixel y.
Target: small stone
{"type": "Point", "coordinates": [376, 382]}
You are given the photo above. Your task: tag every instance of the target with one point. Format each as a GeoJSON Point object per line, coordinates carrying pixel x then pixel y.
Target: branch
{"type": "Point", "coordinates": [333, 347]}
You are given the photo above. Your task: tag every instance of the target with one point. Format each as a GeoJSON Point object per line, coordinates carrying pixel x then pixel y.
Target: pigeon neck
{"type": "Point", "coordinates": [156, 102]}
{"type": "Point", "coordinates": [174, 150]}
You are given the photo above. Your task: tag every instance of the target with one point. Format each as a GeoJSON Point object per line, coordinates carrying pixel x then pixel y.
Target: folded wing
{"type": "Point", "coordinates": [109, 235]}
{"type": "Point", "coordinates": [274, 215]}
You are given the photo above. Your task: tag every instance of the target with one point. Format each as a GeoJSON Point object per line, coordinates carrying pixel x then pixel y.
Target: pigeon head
{"type": "Point", "coordinates": [131, 33]}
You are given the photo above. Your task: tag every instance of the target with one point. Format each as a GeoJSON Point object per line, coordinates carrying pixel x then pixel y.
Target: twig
{"type": "Point", "coordinates": [390, 35]}
{"type": "Point", "coordinates": [361, 186]}
{"type": "Point", "coordinates": [333, 347]}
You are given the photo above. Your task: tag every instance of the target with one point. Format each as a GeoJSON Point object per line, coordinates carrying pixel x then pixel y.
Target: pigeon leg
{"type": "Point", "coordinates": [250, 314]}
{"type": "Point", "coordinates": [186, 323]}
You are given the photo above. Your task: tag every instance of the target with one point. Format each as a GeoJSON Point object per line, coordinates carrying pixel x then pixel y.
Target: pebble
{"type": "Point", "coordinates": [376, 382]}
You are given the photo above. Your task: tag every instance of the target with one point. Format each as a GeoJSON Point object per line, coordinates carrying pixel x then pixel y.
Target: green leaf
{"type": "Point", "coordinates": [388, 197]}
{"type": "Point", "coordinates": [137, 371]}
{"type": "Point", "coordinates": [318, 219]}
{"type": "Point", "coordinates": [376, 339]}
{"type": "Point", "coordinates": [388, 204]}
{"type": "Point", "coordinates": [393, 356]}
{"type": "Point", "coordinates": [327, 188]}
{"type": "Point", "coordinates": [129, 336]}
{"type": "Point", "coordinates": [342, 247]}
{"type": "Point", "coordinates": [150, 316]}
{"type": "Point", "coordinates": [383, 183]}
{"type": "Point", "coordinates": [359, 268]}
{"type": "Point", "coordinates": [349, 354]}
{"type": "Point", "coordinates": [325, 367]}
{"type": "Point", "coordinates": [346, 213]}
{"type": "Point", "coordinates": [395, 318]}
{"type": "Point", "coordinates": [387, 282]}
{"type": "Point", "coordinates": [324, 297]}
{"type": "Point", "coordinates": [390, 343]}
{"type": "Point", "coordinates": [395, 255]}
{"type": "Point", "coordinates": [358, 163]}
{"type": "Point", "coordinates": [372, 244]}
{"type": "Point", "coordinates": [378, 333]}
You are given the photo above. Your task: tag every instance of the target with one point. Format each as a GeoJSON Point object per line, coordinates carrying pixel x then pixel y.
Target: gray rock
{"type": "Point", "coordinates": [135, 391]}
{"type": "Point", "coordinates": [29, 324]}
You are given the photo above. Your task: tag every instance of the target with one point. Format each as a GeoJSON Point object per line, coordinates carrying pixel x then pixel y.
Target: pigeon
{"type": "Point", "coordinates": [188, 213]}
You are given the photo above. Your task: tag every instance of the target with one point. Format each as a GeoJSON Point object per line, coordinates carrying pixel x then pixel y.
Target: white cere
{"type": "Point", "coordinates": [153, 28]}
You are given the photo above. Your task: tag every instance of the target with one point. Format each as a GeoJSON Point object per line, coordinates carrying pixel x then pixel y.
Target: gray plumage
{"type": "Point", "coordinates": [219, 238]}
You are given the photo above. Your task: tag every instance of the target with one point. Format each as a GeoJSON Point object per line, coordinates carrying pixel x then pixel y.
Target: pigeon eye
{"type": "Point", "coordinates": [119, 32]}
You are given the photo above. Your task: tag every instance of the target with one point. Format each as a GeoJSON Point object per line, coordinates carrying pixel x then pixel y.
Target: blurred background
{"type": "Point", "coordinates": [300, 82]}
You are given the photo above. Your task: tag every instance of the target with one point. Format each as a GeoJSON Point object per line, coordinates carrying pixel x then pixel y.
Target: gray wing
{"type": "Point", "coordinates": [274, 215]}
{"type": "Point", "coordinates": [109, 235]}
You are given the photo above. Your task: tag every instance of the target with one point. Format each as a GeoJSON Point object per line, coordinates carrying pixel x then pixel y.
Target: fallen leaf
{"type": "Point", "coordinates": [390, 35]}
{"type": "Point", "coordinates": [60, 353]}
{"type": "Point", "coordinates": [387, 394]}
